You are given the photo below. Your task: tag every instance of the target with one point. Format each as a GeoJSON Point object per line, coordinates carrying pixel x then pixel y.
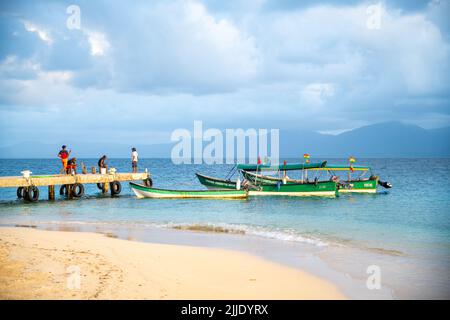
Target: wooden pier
{"type": "Point", "coordinates": [71, 186]}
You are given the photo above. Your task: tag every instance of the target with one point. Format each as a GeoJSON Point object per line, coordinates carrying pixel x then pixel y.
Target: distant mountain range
{"type": "Point", "coordinates": [390, 139]}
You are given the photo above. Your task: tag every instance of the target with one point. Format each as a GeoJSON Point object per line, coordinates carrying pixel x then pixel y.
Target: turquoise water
{"type": "Point", "coordinates": [407, 225]}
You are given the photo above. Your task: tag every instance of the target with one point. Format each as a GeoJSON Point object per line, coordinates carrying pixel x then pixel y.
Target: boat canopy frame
{"type": "Point", "coordinates": [332, 168]}
{"type": "Point", "coordinates": [281, 167]}
{"type": "Point", "coordinates": [336, 167]}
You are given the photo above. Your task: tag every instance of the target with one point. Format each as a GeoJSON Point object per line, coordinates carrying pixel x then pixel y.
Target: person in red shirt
{"type": "Point", "coordinates": [64, 156]}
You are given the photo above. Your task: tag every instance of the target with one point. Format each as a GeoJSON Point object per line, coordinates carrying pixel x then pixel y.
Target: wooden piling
{"type": "Point", "coordinates": [105, 187]}
{"type": "Point", "coordinates": [51, 192]}
{"type": "Point", "coordinates": [69, 191]}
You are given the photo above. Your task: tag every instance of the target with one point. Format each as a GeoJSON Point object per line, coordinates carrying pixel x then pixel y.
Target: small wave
{"type": "Point", "coordinates": [109, 234]}
{"type": "Point", "coordinates": [284, 235]}
{"type": "Point", "coordinates": [237, 229]}
{"type": "Point", "coordinates": [207, 228]}
{"type": "Point", "coordinates": [389, 252]}
{"type": "Point", "coordinates": [25, 226]}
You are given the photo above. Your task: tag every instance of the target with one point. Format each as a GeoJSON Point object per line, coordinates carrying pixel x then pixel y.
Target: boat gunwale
{"type": "Point", "coordinates": [196, 191]}
{"type": "Point", "coordinates": [342, 167]}
{"type": "Point", "coordinates": [293, 181]}
{"type": "Point", "coordinates": [214, 179]}
{"type": "Point", "coordinates": [281, 167]}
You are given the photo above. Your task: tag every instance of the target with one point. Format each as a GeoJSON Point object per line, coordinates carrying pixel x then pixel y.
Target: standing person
{"type": "Point", "coordinates": [102, 164]}
{"type": "Point", "coordinates": [134, 159]}
{"type": "Point", "coordinates": [64, 156]}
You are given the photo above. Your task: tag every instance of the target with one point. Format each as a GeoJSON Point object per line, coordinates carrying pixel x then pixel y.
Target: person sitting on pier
{"type": "Point", "coordinates": [102, 164]}
{"type": "Point", "coordinates": [64, 156]}
{"type": "Point", "coordinates": [72, 166]}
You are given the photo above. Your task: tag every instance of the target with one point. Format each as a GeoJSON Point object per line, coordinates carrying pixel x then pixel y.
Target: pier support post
{"type": "Point", "coordinates": [105, 187]}
{"type": "Point", "coordinates": [51, 192]}
{"type": "Point", "coordinates": [69, 191]}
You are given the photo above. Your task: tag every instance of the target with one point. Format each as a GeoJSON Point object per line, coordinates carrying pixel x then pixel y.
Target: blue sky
{"type": "Point", "coordinates": [134, 72]}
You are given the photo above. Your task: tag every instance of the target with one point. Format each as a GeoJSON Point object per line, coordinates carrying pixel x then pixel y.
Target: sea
{"type": "Point", "coordinates": [394, 244]}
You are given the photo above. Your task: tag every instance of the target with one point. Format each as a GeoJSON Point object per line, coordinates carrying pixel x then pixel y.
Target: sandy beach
{"type": "Point", "coordinates": [38, 264]}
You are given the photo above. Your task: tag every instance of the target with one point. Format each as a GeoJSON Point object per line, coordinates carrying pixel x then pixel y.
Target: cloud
{"type": "Point", "coordinates": [184, 48]}
{"type": "Point", "coordinates": [333, 43]}
{"type": "Point", "coordinates": [13, 67]}
{"type": "Point", "coordinates": [98, 42]}
{"type": "Point", "coordinates": [43, 34]}
{"type": "Point", "coordinates": [316, 94]}
{"type": "Point", "coordinates": [155, 66]}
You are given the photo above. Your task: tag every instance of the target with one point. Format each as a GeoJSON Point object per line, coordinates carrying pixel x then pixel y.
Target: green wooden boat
{"type": "Point", "coordinates": [351, 184]}
{"type": "Point", "coordinates": [269, 186]}
{"type": "Point", "coordinates": [317, 188]}
{"type": "Point", "coordinates": [215, 183]}
{"type": "Point", "coordinates": [359, 186]}
{"type": "Point", "coordinates": [142, 191]}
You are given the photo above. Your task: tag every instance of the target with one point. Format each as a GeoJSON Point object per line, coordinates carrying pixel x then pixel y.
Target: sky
{"type": "Point", "coordinates": [134, 72]}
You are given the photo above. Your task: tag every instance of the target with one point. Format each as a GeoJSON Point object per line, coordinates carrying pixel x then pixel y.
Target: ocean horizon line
{"type": "Point", "coordinates": [224, 160]}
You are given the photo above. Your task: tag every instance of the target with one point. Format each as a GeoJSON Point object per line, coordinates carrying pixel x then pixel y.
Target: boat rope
{"type": "Point", "coordinates": [231, 173]}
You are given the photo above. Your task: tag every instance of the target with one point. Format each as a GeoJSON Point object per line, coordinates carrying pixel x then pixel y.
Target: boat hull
{"type": "Point", "coordinates": [353, 186]}
{"type": "Point", "coordinates": [321, 188]}
{"type": "Point", "coordinates": [142, 191]}
{"type": "Point", "coordinates": [294, 194]}
{"type": "Point", "coordinates": [365, 186]}
{"type": "Point", "coordinates": [215, 183]}
{"type": "Point", "coordinates": [274, 187]}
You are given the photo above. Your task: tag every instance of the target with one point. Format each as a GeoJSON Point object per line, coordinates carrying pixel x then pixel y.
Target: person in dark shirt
{"type": "Point", "coordinates": [64, 156]}
{"type": "Point", "coordinates": [102, 163]}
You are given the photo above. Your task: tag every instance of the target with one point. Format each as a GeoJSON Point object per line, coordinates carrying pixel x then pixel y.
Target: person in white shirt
{"type": "Point", "coordinates": [134, 159]}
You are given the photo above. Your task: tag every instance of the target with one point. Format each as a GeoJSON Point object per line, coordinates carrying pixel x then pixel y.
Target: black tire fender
{"type": "Point", "coordinates": [32, 194]}
{"type": "Point", "coordinates": [63, 190]}
{"type": "Point", "coordinates": [20, 192]}
{"type": "Point", "coordinates": [77, 190]}
{"type": "Point", "coordinates": [116, 187]}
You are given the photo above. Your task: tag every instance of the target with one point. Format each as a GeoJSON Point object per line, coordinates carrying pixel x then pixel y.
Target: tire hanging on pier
{"type": "Point", "coordinates": [77, 190]}
{"type": "Point", "coordinates": [31, 194]}
{"type": "Point", "coordinates": [100, 186]}
{"type": "Point", "coordinates": [20, 192]}
{"type": "Point", "coordinates": [116, 187]}
{"type": "Point", "coordinates": [63, 190]}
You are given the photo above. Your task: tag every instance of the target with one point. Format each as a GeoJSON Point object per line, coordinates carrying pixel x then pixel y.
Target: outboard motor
{"type": "Point", "coordinates": [385, 184]}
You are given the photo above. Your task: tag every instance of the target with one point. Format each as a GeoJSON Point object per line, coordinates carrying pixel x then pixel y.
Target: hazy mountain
{"type": "Point", "coordinates": [390, 139]}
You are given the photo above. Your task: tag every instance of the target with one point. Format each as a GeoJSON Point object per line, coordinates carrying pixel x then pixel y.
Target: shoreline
{"type": "Point", "coordinates": [35, 264]}
{"type": "Point", "coordinates": [315, 259]}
